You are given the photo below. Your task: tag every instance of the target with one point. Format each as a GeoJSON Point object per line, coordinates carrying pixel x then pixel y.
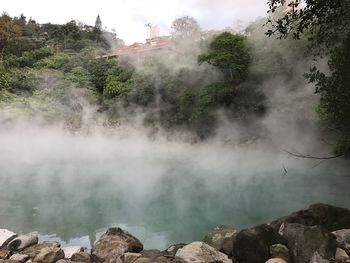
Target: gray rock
{"type": "Point", "coordinates": [303, 241]}
{"type": "Point", "coordinates": [276, 260]}
{"type": "Point", "coordinates": [253, 245]}
{"type": "Point", "coordinates": [317, 258]}
{"type": "Point", "coordinates": [69, 251]}
{"type": "Point", "coordinates": [19, 257]}
{"type": "Point", "coordinates": [221, 238]}
{"type": "Point", "coordinates": [170, 252]}
{"type": "Point", "coordinates": [23, 241]}
{"type": "Point", "coordinates": [4, 253]}
{"type": "Point", "coordinates": [280, 251]}
{"type": "Point", "coordinates": [6, 236]}
{"type": "Point", "coordinates": [34, 250]}
{"type": "Point", "coordinates": [114, 243]}
{"type": "Point", "coordinates": [340, 254]}
{"type": "Point", "coordinates": [343, 239]}
{"type": "Point", "coordinates": [81, 257]}
{"type": "Point", "coordinates": [146, 256]}
{"type": "Point", "coordinates": [49, 255]}
{"type": "Point", "coordinates": [200, 252]}
{"type": "Point", "coordinates": [330, 217]}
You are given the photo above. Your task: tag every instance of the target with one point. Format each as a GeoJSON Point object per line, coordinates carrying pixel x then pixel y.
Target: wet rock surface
{"type": "Point", "coordinates": [329, 217]}
{"type": "Point", "coordinates": [114, 243]}
{"type": "Point", "coordinates": [221, 238]}
{"type": "Point", "coordinates": [343, 239]}
{"type": "Point", "coordinates": [200, 252]}
{"type": "Point", "coordinates": [303, 241]}
{"type": "Point", "coordinates": [253, 245]}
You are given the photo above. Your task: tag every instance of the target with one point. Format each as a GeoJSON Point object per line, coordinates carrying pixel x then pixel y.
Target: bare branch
{"type": "Point", "coordinates": [306, 156]}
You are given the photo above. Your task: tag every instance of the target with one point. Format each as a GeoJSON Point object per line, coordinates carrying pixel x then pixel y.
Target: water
{"type": "Point", "coordinates": [72, 189]}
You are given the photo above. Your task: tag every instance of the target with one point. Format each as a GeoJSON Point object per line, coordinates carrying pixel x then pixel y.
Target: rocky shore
{"type": "Point", "coordinates": [318, 234]}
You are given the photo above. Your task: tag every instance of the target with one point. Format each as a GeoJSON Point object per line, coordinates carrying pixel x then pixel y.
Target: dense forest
{"type": "Point", "coordinates": [54, 72]}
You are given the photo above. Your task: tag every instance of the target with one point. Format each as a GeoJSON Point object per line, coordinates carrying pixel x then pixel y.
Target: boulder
{"type": "Point", "coordinates": [81, 257]}
{"type": "Point", "coordinates": [330, 217]}
{"type": "Point", "coordinates": [49, 255]}
{"type": "Point", "coordinates": [4, 253]}
{"type": "Point", "coordinates": [146, 256]}
{"type": "Point", "coordinates": [6, 236]}
{"type": "Point", "coordinates": [34, 250]}
{"type": "Point", "coordinates": [23, 241]}
{"type": "Point", "coordinates": [280, 251]}
{"type": "Point", "coordinates": [317, 258]}
{"type": "Point", "coordinates": [303, 241]}
{"type": "Point", "coordinates": [200, 252]}
{"type": "Point", "coordinates": [114, 243]}
{"type": "Point", "coordinates": [19, 257]}
{"type": "Point", "coordinates": [276, 260]}
{"type": "Point", "coordinates": [340, 254]}
{"type": "Point", "coordinates": [69, 251]}
{"type": "Point", "coordinates": [221, 238]}
{"type": "Point", "coordinates": [170, 252]}
{"type": "Point", "coordinates": [343, 239]}
{"type": "Point", "coordinates": [253, 245]}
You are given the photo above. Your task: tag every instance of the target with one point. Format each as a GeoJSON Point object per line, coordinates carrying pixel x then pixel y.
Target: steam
{"type": "Point", "coordinates": [75, 182]}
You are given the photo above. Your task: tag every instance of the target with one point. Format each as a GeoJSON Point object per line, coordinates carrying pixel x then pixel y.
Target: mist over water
{"type": "Point", "coordinates": [73, 186]}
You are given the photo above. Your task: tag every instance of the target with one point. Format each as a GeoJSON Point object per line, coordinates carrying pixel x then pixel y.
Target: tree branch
{"type": "Point", "coordinates": [314, 157]}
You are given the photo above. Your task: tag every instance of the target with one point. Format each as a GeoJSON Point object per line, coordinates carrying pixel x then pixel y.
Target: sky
{"type": "Point", "coordinates": [128, 17]}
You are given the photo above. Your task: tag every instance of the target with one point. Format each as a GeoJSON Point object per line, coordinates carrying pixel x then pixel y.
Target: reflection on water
{"type": "Point", "coordinates": [160, 204]}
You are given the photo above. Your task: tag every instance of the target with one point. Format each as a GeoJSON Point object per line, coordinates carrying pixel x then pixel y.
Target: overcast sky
{"type": "Point", "coordinates": [128, 17]}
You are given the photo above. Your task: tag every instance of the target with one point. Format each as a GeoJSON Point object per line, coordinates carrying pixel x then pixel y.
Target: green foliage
{"type": "Point", "coordinates": [8, 30]}
{"type": "Point", "coordinates": [115, 87]}
{"type": "Point", "coordinates": [228, 52]}
{"type": "Point", "coordinates": [327, 24]}
{"type": "Point", "coordinates": [80, 76]}
{"type": "Point", "coordinates": [16, 46]}
{"type": "Point", "coordinates": [28, 58]}
{"type": "Point", "coordinates": [99, 70]}
{"type": "Point", "coordinates": [57, 61]}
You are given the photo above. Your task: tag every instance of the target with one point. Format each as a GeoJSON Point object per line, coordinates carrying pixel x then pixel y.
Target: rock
{"type": "Point", "coordinates": [146, 256]}
{"type": "Point", "coordinates": [23, 241]}
{"type": "Point", "coordinates": [276, 260]}
{"type": "Point", "coordinates": [6, 236]}
{"type": "Point", "coordinates": [317, 258]}
{"type": "Point", "coordinates": [199, 252]}
{"type": "Point", "coordinates": [253, 245]}
{"type": "Point", "coordinates": [221, 238]}
{"type": "Point", "coordinates": [170, 252]}
{"type": "Point", "coordinates": [340, 254]}
{"type": "Point", "coordinates": [34, 250]}
{"type": "Point", "coordinates": [19, 257]}
{"type": "Point", "coordinates": [280, 251]}
{"type": "Point", "coordinates": [49, 255]}
{"type": "Point", "coordinates": [81, 257]}
{"type": "Point", "coordinates": [131, 257]}
{"type": "Point", "coordinates": [330, 217]}
{"type": "Point", "coordinates": [69, 251]}
{"type": "Point", "coordinates": [303, 241]}
{"type": "Point", "coordinates": [343, 239]}
{"type": "Point", "coordinates": [114, 243]}
{"type": "Point", "coordinates": [4, 253]}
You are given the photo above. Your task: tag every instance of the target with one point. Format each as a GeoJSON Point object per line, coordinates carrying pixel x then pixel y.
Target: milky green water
{"type": "Point", "coordinates": [163, 201]}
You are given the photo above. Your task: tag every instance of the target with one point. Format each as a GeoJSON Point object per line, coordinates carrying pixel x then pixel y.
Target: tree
{"type": "Point", "coordinates": [185, 27]}
{"type": "Point", "coordinates": [326, 23]}
{"type": "Point", "coordinates": [228, 52]}
{"type": "Point", "coordinates": [98, 23]}
{"type": "Point", "coordinates": [8, 30]}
